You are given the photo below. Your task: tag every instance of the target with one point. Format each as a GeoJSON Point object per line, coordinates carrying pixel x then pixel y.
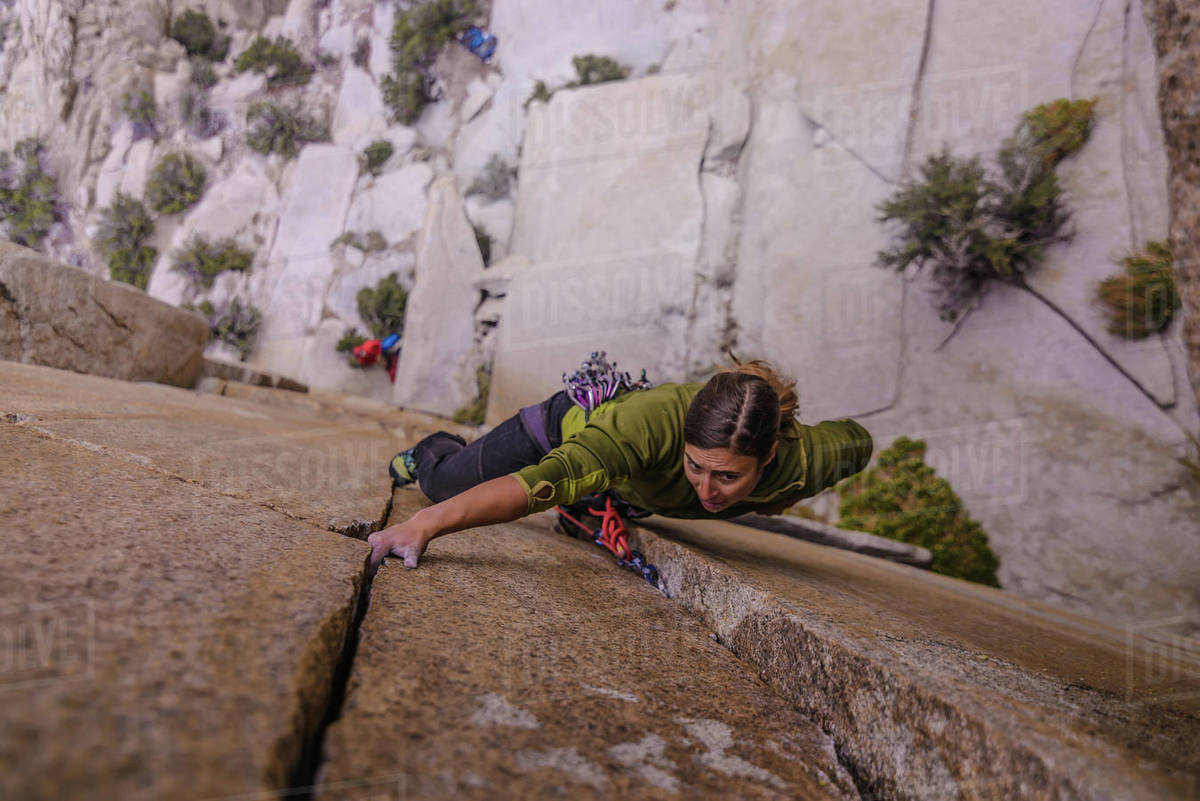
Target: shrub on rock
{"type": "Point", "coordinates": [382, 308]}
{"type": "Point", "coordinates": [417, 35]}
{"type": "Point", "coordinates": [198, 119]}
{"type": "Point", "coordinates": [272, 128]}
{"type": "Point", "coordinates": [236, 325]}
{"type": "Point", "coordinates": [195, 31]}
{"type": "Point", "coordinates": [139, 108]}
{"type": "Point", "coordinates": [376, 155]}
{"type": "Point", "coordinates": [1143, 300]}
{"type": "Point", "coordinates": [125, 225]}
{"type": "Point", "coordinates": [970, 228]}
{"type": "Point", "coordinates": [475, 411]}
{"type": "Point", "coordinates": [597, 69]}
{"type": "Point", "coordinates": [276, 58]}
{"type": "Point", "coordinates": [903, 499]}
{"type": "Point", "coordinates": [350, 340]}
{"type": "Point", "coordinates": [176, 183]}
{"type": "Point", "coordinates": [202, 74]}
{"type": "Point", "coordinates": [496, 181]}
{"type": "Point", "coordinates": [202, 260]}
{"type": "Point", "coordinates": [28, 194]}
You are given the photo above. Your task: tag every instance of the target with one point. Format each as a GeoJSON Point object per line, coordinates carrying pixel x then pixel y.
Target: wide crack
{"type": "Point", "coordinates": [301, 783]}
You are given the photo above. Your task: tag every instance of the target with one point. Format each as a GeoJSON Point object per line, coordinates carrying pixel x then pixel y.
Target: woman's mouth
{"type": "Point", "coordinates": [712, 507]}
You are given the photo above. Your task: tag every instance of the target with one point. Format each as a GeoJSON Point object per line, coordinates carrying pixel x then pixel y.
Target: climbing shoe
{"type": "Point", "coordinates": [403, 468]}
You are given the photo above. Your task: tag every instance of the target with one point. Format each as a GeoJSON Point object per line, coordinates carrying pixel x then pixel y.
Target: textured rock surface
{"type": "Point", "coordinates": [437, 363]}
{"type": "Point", "coordinates": [60, 316]}
{"type": "Point", "coordinates": [1175, 28]}
{"type": "Point", "coordinates": [163, 640]}
{"type": "Point", "coordinates": [936, 688]}
{"type": "Point", "coordinates": [331, 475]}
{"type": "Point", "coordinates": [495, 670]}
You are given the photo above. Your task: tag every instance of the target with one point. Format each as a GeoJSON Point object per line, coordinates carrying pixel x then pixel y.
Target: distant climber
{"type": "Point", "coordinates": [369, 351]}
{"type": "Point", "coordinates": [479, 42]}
{"type": "Point", "coordinates": [715, 450]}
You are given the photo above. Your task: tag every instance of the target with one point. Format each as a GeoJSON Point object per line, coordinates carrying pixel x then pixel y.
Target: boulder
{"type": "Point", "coordinates": [63, 317]}
{"type": "Point", "coordinates": [436, 371]}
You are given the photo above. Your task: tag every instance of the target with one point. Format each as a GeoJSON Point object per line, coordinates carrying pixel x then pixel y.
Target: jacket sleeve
{"type": "Point", "coordinates": [839, 448]}
{"type": "Point", "coordinates": [588, 462]}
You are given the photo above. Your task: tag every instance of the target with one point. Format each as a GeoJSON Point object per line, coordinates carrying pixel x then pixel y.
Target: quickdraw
{"type": "Point", "coordinates": [613, 536]}
{"type": "Point", "coordinates": [597, 381]}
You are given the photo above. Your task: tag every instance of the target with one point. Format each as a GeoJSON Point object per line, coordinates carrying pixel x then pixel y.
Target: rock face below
{"type": "Point", "coordinates": [518, 663]}
{"type": "Point", "coordinates": [166, 641]}
{"type": "Point", "coordinates": [58, 316]}
{"type": "Point", "coordinates": [329, 473]}
{"type": "Point", "coordinates": [937, 688]}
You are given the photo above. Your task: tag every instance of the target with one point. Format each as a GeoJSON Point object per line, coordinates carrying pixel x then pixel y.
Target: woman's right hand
{"type": "Point", "coordinates": [406, 540]}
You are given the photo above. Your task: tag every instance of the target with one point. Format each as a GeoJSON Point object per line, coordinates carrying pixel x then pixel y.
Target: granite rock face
{"type": "Point", "coordinates": [165, 640]}
{"type": "Point", "coordinates": [60, 316]}
{"type": "Point", "coordinates": [438, 361]}
{"type": "Point", "coordinates": [519, 663]}
{"type": "Point", "coordinates": [1175, 28]}
{"type": "Point", "coordinates": [936, 688]}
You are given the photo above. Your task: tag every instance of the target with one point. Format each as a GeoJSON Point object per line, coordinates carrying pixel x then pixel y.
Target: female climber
{"type": "Point", "coordinates": [719, 449]}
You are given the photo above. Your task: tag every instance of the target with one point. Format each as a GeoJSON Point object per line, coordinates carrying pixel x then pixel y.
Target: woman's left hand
{"type": "Point", "coordinates": [406, 540]}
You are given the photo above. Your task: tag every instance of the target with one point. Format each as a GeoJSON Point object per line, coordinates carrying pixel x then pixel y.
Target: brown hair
{"type": "Point", "coordinates": [746, 408]}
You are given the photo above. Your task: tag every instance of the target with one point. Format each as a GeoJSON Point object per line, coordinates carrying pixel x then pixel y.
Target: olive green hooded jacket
{"type": "Point", "coordinates": [633, 445]}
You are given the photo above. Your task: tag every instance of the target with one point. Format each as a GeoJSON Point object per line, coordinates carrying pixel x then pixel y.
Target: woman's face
{"type": "Point", "coordinates": [720, 476]}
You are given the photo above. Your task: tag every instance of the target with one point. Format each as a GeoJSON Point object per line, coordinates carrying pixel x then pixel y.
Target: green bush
{"type": "Point", "coordinates": [202, 260]}
{"type": "Point", "coordinates": [903, 499]}
{"type": "Point", "coordinates": [1143, 300]}
{"type": "Point", "coordinates": [272, 128]}
{"type": "Point", "coordinates": [417, 35]}
{"type": "Point", "coordinates": [238, 326]}
{"type": "Point", "coordinates": [199, 120]}
{"type": "Point", "coordinates": [1060, 126]}
{"type": "Point", "coordinates": [473, 413]}
{"type": "Point", "coordinates": [139, 108]}
{"type": "Point", "coordinates": [350, 340]}
{"type": "Point", "coordinates": [370, 242]}
{"type": "Point", "coordinates": [495, 182]}
{"type": "Point", "coordinates": [376, 155]}
{"type": "Point", "coordinates": [176, 183]}
{"type": "Point", "coordinates": [971, 229]}
{"type": "Point", "coordinates": [382, 308]}
{"type": "Point", "coordinates": [202, 74]}
{"type": "Point", "coordinates": [540, 92]}
{"type": "Point", "coordinates": [276, 58]}
{"type": "Point", "coordinates": [28, 194]}
{"type": "Point", "coordinates": [597, 69]}
{"type": "Point", "coordinates": [405, 94]}
{"type": "Point", "coordinates": [124, 228]}
{"type": "Point", "coordinates": [195, 31]}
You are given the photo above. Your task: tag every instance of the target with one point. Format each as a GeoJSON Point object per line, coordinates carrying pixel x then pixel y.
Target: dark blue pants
{"type": "Point", "coordinates": [446, 465]}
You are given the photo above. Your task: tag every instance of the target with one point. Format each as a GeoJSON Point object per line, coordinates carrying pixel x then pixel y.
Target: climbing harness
{"type": "Point", "coordinates": [595, 382]}
{"type": "Point", "coordinates": [611, 534]}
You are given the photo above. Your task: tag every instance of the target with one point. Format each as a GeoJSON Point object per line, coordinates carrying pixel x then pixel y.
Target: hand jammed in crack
{"type": "Point", "coordinates": [497, 501]}
{"type": "Point", "coordinates": [407, 540]}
